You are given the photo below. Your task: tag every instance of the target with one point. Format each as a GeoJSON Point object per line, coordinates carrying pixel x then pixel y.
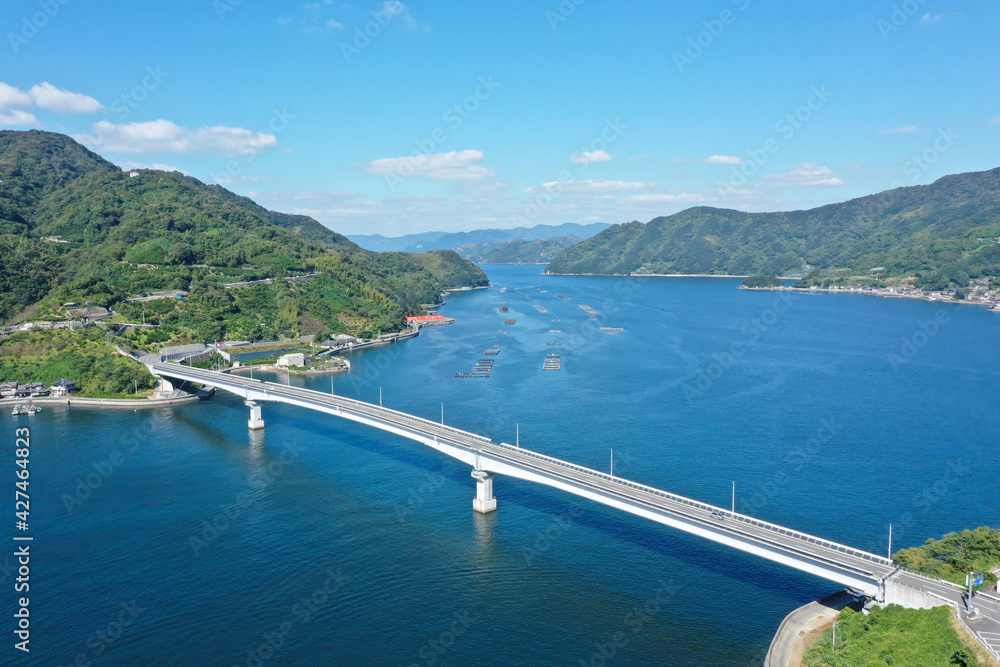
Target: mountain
{"type": "Point", "coordinates": [379, 243]}
{"type": "Point", "coordinates": [75, 228]}
{"type": "Point", "coordinates": [451, 241]}
{"type": "Point", "coordinates": [942, 233]}
{"type": "Point", "coordinates": [517, 251]}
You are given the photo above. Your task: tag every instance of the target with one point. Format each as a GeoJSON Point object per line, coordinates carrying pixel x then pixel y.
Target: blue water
{"type": "Point", "coordinates": [348, 546]}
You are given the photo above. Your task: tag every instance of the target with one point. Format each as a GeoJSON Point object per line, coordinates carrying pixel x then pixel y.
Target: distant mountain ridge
{"type": "Point", "coordinates": [449, 241]}
{"type": "Point", "coordinates": [943, 233]}
{"type": "Point", "coordinates": [518, 251]}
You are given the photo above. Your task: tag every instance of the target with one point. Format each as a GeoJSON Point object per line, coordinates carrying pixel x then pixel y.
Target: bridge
{"type": "Point", "coordinates": [875, 575]}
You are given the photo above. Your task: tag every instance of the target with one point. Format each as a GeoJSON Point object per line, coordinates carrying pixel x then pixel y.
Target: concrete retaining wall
{"type": "Point", "coordinates": [911, 598]}
{"type": "Point", "coordinates": [137, 404]}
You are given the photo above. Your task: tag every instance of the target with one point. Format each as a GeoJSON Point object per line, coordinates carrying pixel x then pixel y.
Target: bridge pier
{"type": "Point", "coordinates": [484, 502]}
{"type": "Point", "coordinates": [166, 387]}
{"type": "Point", "coordinates": [255, 422]}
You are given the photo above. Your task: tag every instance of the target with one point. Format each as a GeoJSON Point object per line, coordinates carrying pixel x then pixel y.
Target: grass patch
{"type": "Point", "coordinates": [892, 636]}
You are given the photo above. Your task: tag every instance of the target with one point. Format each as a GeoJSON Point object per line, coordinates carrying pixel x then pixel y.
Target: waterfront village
{"type": "Point", "coordinates": [301, 356]}
{"type": "Point", "coordinates": [980, 292]}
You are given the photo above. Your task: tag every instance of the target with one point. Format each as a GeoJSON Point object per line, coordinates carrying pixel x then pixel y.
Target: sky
{"type": "Point", "coordinates": [387, 118]}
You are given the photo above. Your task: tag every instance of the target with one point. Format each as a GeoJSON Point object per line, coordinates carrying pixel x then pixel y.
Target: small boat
{"type": "Point", "coordinates": [32, 409]}
{"type": "Point", "coordinates": [17, 410]}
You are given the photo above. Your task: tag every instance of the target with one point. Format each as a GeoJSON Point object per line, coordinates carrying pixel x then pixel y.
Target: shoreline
{"type": "Point", "coordinates": [801, 627]}
{"type": "Point", "coordinates": [661, 275]}
{"type": "Point", "coordinates": [827, 290]}
{"type": "Point", "coordinates": [82, 401]}
{"type": "Point", "coordinates": [270, 368]}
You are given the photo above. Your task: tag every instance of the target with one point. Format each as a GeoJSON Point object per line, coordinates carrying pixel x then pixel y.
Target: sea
{"type": "Point", "coordinates": [180, 537]}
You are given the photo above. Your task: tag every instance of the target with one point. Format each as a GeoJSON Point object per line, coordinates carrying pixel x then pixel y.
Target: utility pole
{"type": "Point", "coordinates": [442, 414]}
{"type": "Point", "coordinates": [890, 541]}
{"type": "Point", "coordinates": [834, 643]}
{"type": "Point", "coordinates": [517, 436]}
{"type": "Point", "coordinates": [612, 462]}
{"type": "Point", "coordinates": [734, 497]}
{"type": "Point", "coordinates": [380, 397]}
{"type": "Point", "coordinates": [968, 601]}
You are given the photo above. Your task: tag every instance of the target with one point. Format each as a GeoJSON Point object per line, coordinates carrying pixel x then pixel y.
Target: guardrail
{"type": "Point", "coordinates": [929, 577]}
{"type": "Point", "coordinates": [695, 503]}
{"type": "Point", "coordinates": [758, 538]}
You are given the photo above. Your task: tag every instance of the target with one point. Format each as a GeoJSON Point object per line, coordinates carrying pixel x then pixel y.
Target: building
{"type": "Point", "coordinates": [294, 359]}
{"type": "Point", "coordinates": [35, 389]}
{"type": "Point", "coordinates": [62, 388]}
{"type": "Point", "coordinates": [8, 389]}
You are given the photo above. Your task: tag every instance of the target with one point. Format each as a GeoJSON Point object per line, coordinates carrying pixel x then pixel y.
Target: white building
{"type": "Point", "coordinates": [295, 359]}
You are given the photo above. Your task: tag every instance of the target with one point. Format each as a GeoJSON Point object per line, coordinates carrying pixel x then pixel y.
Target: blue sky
{"type": "Point", "coordinates": [392, 118]}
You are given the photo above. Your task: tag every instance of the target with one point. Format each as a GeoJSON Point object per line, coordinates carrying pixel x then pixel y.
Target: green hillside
{"type": "Point", "coordinates": [942, 233]}
{"type": "Point", "coordinates": [518, 251]}
{"type": "Point", "coordinates": [75, 228]}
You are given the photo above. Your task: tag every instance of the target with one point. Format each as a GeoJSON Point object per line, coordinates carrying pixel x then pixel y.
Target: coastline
{"type": "Point", "coordinates": [81, 401]}
{"type": "Point", "coordinates": [271, 368]}
{"type": "Point", "coordinates": [801, 627]}
{"type": "Point", "coordinates": [887, 295]}
{"type": "Point", "coordinates": [661, 275]}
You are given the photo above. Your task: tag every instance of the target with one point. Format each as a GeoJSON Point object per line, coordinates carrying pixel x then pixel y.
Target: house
{"type": "Point", "coordinates": [62, 388]}
{"type": "Point", "coordinates": [35, 389]}
{"type": "Point", "coordinates": [295, 359]}
{"type": "Point", "coordinates": [8, 389]}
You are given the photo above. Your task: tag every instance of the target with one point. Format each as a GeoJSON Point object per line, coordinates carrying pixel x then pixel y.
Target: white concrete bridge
{"type": "Point", "coordinates": [876, 575]}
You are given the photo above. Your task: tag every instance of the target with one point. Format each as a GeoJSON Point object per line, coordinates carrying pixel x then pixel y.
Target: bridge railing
{"type": "Point", "coordinates": [312, 394]}
{"type": "Point", "coordinates": [705, 506]}
{"type": "Point", "coordinates": [929, 577]}
{"type": "Point", "coordinates": [329, 399]}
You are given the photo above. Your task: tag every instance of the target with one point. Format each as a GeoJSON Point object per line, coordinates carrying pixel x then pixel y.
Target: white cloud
{"type": "Point", "coordinates": [13, 105]}
{"type": "Point", "coordinates": [723, 159]}
{"type": "Point", "coordinates": [591, 157]}
{"type": "Point", "coordinates": [333, 212]}
{"type": "Point", "coordinates": [13, 98]}
{"type": "Point", "coordinates": [48, 96]}
{"type": "Point", "coordinates": [334, 25]}
{"type": "Point", "coordinates": [995, 120]}
{"type": "Point", "coordinates": [453, 166]}
{"type": "Point", "coordinates": [807, 175]}
{"type": "Point", "coordinates": [240, 178]}
{"type": "Point", "coordinates": [401, 16]}
{"type": "Point", "coordinates": [591, 186]}
{"type": "Point", "coordinates": [928, 19]}
{"type": "Point", "coordinates": [682, 198]}
{"type": "Point", "coordinates": [17, 117]}
{"type": "Point", "coordinates": [164, 136]}
{"type": "Point", "coordinates": [714, 159]}
{"type": "Point", "coordinates": [129, 166]}
{"type": "Point", "coordinates": [908, 129]}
